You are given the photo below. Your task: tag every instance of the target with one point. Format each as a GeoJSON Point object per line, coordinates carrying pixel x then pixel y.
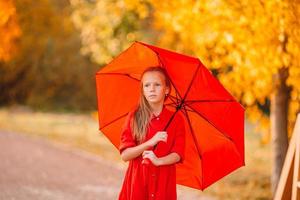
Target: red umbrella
{"type": "Point", "coordinates": [214, 120]}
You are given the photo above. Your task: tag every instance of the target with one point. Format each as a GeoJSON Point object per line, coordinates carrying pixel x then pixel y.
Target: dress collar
{"type": "Point", "coordinates": [160, 114]}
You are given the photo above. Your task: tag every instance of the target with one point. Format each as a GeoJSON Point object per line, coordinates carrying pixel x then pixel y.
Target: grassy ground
{"type": "Point", "coordinates": [81, 131]}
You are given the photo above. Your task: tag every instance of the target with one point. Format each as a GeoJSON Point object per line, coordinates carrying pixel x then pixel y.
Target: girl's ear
{"type": "Point", "coordinates": [167, 90]}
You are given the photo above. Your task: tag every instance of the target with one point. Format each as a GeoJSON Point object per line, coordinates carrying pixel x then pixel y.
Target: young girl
{"type": "Point", "coordinates": [143, 130]}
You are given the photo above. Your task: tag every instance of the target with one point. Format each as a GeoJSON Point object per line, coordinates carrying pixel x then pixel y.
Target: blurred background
{"type": "Point", "coordinates": [50, 51]}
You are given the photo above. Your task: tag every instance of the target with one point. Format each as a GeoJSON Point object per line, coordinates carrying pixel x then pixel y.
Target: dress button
{"type": "Point", "coordinates": [152, 195]}
{"type": "Point", "coordinates": [157, 118]}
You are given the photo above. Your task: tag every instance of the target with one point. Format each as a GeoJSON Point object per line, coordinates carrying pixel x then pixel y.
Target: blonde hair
{"type": "Point", "coordinates": [142, 113]}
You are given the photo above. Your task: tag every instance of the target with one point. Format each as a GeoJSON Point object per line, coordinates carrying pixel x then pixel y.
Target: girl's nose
{"type": "Point", "coordinates": [152, 88]}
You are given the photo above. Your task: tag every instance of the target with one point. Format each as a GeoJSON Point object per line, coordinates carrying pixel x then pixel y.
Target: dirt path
{"type": "Point", "coordinates": [32, 168]}
{"type": "Point", "coordinates": [35, 169]}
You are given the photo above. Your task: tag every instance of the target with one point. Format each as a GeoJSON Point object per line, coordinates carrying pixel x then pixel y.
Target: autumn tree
{"type": "Point", "coordinates": [108, 26]}
{"type": "Point", "coordinates": [9, 30]}
{"type": "Point", "coordinates": [252, 46]}
{"type": "Point", "coordinates": [48, 72]}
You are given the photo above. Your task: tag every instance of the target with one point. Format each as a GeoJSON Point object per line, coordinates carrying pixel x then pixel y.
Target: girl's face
{"type": "Point", "coordinates": [154, 87]}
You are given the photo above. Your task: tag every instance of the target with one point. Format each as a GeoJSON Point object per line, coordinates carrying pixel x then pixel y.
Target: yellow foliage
{"type": "Point", "coordinates": [107, 27]}
{"type": "Point", "coordinates": [9, 29]}
{"type": "Point", "coordinates": [246, 42]}
{"type": "Point", "coordinates": [139, 6]}
{"type": "Point", "coordinates": [255, 38]}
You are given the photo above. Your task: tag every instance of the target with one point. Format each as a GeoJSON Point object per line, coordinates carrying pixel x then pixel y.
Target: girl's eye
{"type": "Point", "coordinates": [155, 84]}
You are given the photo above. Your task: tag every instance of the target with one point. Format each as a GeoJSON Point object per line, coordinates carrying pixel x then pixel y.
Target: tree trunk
{"type": "Point", "coordinates": [279, 119]}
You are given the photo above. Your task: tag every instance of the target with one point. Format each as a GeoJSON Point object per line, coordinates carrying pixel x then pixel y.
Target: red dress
{"type": "Point", "coordinates": [143, 182]}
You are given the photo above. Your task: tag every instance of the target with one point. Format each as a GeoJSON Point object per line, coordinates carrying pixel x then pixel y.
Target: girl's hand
{"type": "Point", "coordinates": [152, 157]}
{"type": "Point", "coordinates": [159, 136]}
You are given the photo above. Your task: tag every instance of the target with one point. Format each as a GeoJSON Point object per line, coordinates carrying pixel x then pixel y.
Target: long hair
{"type": "Point", "coordinates": [143, 111]}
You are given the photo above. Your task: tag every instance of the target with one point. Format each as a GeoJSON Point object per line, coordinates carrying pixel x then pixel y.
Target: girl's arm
{"type": "Point", "coordinates": [169, 159]}
{"type": "Point", "coordinates": [133, 152]}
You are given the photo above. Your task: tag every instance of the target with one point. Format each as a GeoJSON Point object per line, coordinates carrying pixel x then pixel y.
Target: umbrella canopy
{"type": "Point", "coordinates": [214, 120]}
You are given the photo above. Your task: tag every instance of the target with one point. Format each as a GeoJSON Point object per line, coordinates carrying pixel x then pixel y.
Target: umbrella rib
{"type": "Point", "coordinates": [175, 106]}
{"type": "Point", "coordinates": [187, 91]}
{"type": "Point", "coordinates": [116, 119]}
{"type": "Point", "coordinates": [121, 74]}
{"type": "Point", "coordinates": [194, 139]}
{"type": "Point", "coordinates": [227, 136]}
{"type": "Point", "coordinates": [188, 109]}
{"type": "Point", "coordinates": [197, 111]}
{"type": "Point", "coordinates": [173, 99]}
{"type": "Point", "coordinates": [192, 132]}
{"type": "Point", "coordinates": [210, 100]}
{"type": "Point", "coordinates": [180, 102]}
{"type": "Point", "coordinates": [171, 104]}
